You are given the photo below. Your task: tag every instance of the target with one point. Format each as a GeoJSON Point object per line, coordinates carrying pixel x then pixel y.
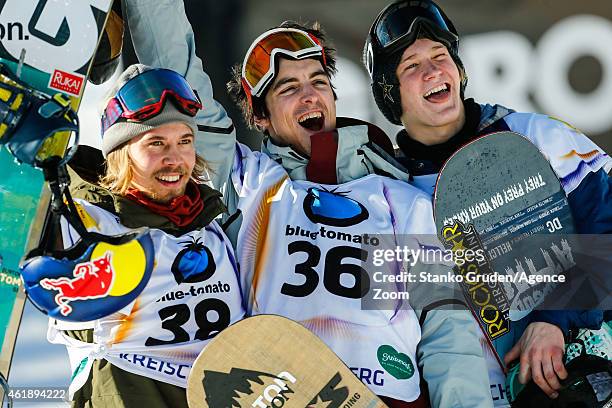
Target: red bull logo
{"type": "Point", "coordinates": [106, 278]}
{"type": "Point", "coordinates": [92, 280]}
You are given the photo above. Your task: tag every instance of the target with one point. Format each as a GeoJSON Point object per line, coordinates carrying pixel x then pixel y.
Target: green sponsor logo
{"type": "Point", "coordinates": [396, 364]}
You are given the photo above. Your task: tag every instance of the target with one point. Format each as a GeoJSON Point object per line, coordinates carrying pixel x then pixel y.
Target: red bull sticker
{"type": "Point", "coordinates": [92, 280]}
{"type": "Point", "coordinates": [106, 279]}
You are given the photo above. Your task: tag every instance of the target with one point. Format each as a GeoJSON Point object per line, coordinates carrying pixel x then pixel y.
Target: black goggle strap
{"type": "Point", "coordinates": [59, 181]}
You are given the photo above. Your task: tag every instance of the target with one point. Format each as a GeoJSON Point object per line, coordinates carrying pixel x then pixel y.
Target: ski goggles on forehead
{"type": "Point", "coordinates": [400, 22]}
{"type": "Point", "coordinates": [258, 68]}
{"type": "Point", "coordinates": [145, 95]}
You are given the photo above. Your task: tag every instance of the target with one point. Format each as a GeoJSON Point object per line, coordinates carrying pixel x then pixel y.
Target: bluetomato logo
{"type": "Point", "coordinates": [333, 208]}
{"type": "Point", "coordinates": [194, 263]}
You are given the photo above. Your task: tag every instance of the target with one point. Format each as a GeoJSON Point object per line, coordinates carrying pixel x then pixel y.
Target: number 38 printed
{"type": "Point", "coordinates": [174, 317]}
{"type": "Point", "coordinates": [332, 272]}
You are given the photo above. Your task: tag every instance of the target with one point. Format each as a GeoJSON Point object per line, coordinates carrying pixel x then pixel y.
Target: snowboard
{"type": "Point", "coordinates": [50, 46]}
{"type": "Point", "coordinates": [271, 361]}
{"type": "Point", "coordinates": [499, 197]}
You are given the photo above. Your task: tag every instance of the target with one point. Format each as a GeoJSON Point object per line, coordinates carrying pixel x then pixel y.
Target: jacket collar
{"type": "Point", "coordinates": [360, 149]}
{"type": "Point", "coordinates": [489, 114]}
{"type": "Point", "coordinates": [134, 215]}
{"type": "Point", "coordinates": [427, 159]}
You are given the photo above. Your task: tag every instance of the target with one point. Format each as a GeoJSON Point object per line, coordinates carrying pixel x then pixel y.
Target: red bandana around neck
{"type": "Point", "coordinates": [181, 210]}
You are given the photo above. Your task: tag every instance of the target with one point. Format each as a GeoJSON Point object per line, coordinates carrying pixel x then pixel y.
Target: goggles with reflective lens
{"type": "Point", "coordinates": [258, 68]}
{"type": "Point", "coordinates": [34, 127]}
{"type": "Point", "coordinates": [145, 95]}
{"type": "Point", "coordinates": [399, 24]}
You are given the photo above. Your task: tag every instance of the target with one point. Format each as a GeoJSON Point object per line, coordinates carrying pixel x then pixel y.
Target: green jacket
{"type": "Point", "coordinates": [134, 215]}
{"type": "Point", "coordinates": [107, 385]}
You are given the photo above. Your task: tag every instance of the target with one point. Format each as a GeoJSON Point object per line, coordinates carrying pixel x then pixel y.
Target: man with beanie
{"type": "Point", "coordinates": [303, 211]}
{"type": "Point", "coordinates": [418, 81]}
{"type": "Point", "coordinates": [142, 355]}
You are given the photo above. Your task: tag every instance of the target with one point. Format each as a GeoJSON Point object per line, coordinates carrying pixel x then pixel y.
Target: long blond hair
{"type": "Point", "coordinates": [118, 175]}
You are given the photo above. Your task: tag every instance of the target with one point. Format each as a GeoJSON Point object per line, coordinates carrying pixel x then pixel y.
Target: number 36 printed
{"type": "Point", "coordinates": [333, 270]}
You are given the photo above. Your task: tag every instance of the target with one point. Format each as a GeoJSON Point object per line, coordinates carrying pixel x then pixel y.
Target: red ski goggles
{"type": "Point", "coordinates": [144, 96]}
{"type": "Point", "coordinates": [258, 68]}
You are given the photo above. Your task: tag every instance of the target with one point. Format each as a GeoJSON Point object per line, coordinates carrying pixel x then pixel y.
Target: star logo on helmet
{"type": "Point", "coordinates": [386, 88]}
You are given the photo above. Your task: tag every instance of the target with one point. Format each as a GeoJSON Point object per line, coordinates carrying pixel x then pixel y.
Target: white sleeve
{"type": "Point", "coordinates": [572, 155]}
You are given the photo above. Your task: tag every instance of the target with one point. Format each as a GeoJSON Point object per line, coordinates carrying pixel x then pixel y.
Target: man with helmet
{"type": "Point", "coordinates": [418, 81]}
{"type": "Point", "coordinates": [305, 207]}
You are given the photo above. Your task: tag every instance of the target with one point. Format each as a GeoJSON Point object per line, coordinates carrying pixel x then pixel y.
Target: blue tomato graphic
{"type": "Point", "coordinates": [194, 263]}
{"type": "Point", "coordinates": [331, 208]}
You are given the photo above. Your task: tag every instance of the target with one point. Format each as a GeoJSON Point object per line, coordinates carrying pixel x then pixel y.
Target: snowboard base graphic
{"type": "Point", "coordinates": [498, 196]}
{"type": "Point", "coordinates": [270, 360]}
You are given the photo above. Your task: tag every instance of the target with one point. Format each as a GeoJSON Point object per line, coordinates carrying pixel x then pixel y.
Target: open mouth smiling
{"type": "Point", "coordinates": [167, 179]}
{"type": "Point", "coordinates": [437, 93]}
{"type": "Point", "coordinates": [313, 121]}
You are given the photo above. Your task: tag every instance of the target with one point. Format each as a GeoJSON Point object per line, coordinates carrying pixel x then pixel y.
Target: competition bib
{"type": "Point", "coordinates": [192, 295]}
{"type": "Point", "coordinates": [301, 248]}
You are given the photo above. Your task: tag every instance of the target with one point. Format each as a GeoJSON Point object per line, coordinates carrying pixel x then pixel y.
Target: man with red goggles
{"type": "Point", "coordinates": [144, 96]}
{"type": "Point", "coordinates": [142, 355]}
{"type": "Point", "coordinates": [302, 102]}
{"type": "Point", "coordinates": [418, 81]}
{"type": "Point", "coordinates": [304, 212]}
